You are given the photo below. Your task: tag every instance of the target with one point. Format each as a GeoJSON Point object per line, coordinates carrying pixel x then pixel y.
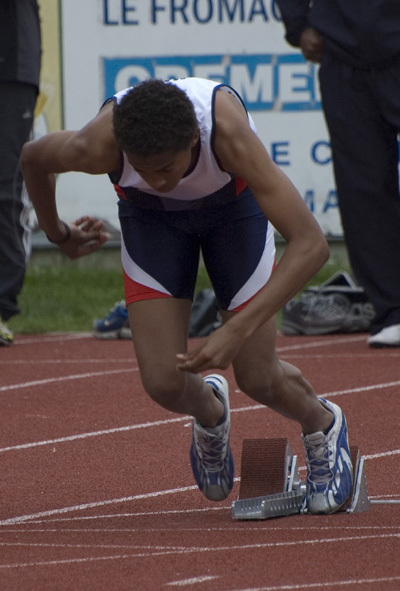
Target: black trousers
{"type": "Point", "coordinates": [17, 103]}
{"type": "Point", "coordinates": [362, 111]}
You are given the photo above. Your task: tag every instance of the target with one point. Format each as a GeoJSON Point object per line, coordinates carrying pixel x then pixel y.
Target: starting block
{"type": "Point", "coordinates": [270, 484]}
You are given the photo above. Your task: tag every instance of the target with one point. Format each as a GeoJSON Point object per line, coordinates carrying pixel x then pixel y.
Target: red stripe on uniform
{"type": "Point", "coordinates": [120, 192]}
{"type": "Point", "coordinates": [240, 185]}
{"type": "Point", "coordinates": [135, 292]}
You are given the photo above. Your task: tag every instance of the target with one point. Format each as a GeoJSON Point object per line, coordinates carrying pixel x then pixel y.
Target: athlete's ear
{"type": "Point", "coordinates": [195, 139]}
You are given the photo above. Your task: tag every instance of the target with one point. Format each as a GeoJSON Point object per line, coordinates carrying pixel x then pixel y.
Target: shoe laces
{"type": "Point", "coordinates": [319, 453]}
{"type": "Point", "coordinates": [211, 450]}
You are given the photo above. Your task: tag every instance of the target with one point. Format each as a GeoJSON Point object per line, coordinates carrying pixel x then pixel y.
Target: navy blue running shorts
{"type": "Point", "coordinates": [161, 247]}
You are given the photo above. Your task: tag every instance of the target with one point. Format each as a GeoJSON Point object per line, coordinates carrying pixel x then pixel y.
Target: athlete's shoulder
{"type": "Point", "coordinates": [193, 81]}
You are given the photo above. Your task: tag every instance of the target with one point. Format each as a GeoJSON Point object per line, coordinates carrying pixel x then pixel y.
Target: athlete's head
{"type": "Point", "coordinates": [154, 117]}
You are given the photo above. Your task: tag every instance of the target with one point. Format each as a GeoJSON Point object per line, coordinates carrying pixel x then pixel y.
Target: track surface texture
{"type": "Point", "coordinates": [97, 492]}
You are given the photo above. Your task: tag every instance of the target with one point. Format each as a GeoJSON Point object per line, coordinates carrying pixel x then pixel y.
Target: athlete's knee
{"type": "Point", "coordinates": [165, 389]}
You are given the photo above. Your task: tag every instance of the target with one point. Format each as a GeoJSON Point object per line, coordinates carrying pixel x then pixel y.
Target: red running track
{"type": "Point", "coordinates": [97, 492]}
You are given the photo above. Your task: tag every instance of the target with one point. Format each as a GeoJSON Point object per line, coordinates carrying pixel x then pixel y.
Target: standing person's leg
{"type": "Point", "coordinates": [17, 102]}
{"type": "Point", "coordinates": [364, 151]}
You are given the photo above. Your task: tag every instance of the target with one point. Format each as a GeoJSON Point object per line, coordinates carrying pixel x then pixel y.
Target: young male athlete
{"type": "Point", "coordinates": [192, 175]}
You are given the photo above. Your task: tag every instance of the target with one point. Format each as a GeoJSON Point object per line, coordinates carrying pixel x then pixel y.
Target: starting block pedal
{"type": "Point", "coordinates": [270, 484]}
{"type": "Point", "coordinates": [359, 500]}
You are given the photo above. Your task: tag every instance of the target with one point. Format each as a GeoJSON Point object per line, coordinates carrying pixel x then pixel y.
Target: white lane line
{"type": "Point", "coordinates": [327, 342]}
{"type": "Point", "coordinates": [103, 503]}
{"type": "Point", "coordinates": [362, 389]}
{"type": "Point", "coordinates": [221, 508]}
{"type": "Point", "coordinates": [167, 421]}
{"type": "Point", "coordinates": [111, 431]}
{"type": "Point", "coordinates": [365, 355]}
{"type": "Point", "coordinates": [145, 425]}
{"type": "Point", "coordinates": [64, 361]}
{"type": "Point", "coordinates": [253, 528]}
{"type": "Point", "coordinates": [193, 581]}
{"type": "Point", "coordinates": [321, 585]}
{"type": "Point", "coordinates": [383, 454]}
{"type": "Point", "coordinates": [84, 506]}
{"type": "Point", "coordinates": [213, 549]}
{"type": "Point", "coordinates": [320, 341]}
{"type": "Point", "coordinates": [94, 434]}
{"type": "Point", "coordinates": [149, 547]}
{"type": "Point", "coordinates": [79, 376]}
{"type": "Point", "coordinates": [323, 342]}
{"type": "Point", "coordinates": [72, 361]}
{"type": "Point", "coordinates": [35, 383]}
{"type": "Point", "coordinates": [54, 337]}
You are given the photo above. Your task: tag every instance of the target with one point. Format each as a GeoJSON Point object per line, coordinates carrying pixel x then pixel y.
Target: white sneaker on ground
{"type": "Point", "coordinates": [387, 337]}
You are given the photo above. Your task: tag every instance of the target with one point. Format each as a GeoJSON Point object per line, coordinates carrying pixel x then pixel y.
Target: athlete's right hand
{"type": "Point", "coordinates": [216, 351]}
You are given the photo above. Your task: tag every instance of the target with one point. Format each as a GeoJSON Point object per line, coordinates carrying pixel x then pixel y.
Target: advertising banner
{"type": "Point", "coordinates": [49, 103]}
{"type": "Point", "coordinates": [108, 45]}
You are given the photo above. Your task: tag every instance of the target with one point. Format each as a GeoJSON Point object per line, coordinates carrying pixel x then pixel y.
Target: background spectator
{"type": "Point", "coordinates": [20, 60]}
{"type": "Point", "coordinates": [358, 46]}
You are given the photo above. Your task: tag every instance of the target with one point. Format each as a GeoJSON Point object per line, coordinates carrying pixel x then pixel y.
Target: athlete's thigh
{"type": "Point", "coordinates": [238, 252]}
{"type": "Point", "coordinates": [157, 253]}
{"type": "Point", "coordinates": [159, 331]}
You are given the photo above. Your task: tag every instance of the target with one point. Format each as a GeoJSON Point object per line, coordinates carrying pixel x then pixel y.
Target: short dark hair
{"type": "Point", "coordinates": [154, 117]}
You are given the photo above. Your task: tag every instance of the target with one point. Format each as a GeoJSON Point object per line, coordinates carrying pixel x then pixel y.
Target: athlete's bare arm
{"type": "Point", "coordinates": [91, 150]}
{"type": "Point", "coordinates": [242, 153]}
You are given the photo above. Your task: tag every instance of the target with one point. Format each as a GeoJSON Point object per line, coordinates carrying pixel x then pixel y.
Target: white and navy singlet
{"type": "Point", "coordinates": [209, 212]}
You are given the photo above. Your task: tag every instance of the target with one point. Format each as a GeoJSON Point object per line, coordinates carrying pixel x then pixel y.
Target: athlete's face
{"type": "Point", "coordinates": [162, 172]}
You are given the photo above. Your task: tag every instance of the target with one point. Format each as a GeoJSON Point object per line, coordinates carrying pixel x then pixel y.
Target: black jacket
{"type": "Point", "coordinates": [20, 41]}
{"type": "Point", "coordinates": [362, 32]}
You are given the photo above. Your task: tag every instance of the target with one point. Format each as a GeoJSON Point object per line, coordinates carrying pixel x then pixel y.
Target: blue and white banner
{"type": "Point", "coordinates": [111, 44]}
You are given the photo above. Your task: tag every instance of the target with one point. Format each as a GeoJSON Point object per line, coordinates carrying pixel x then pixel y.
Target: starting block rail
{"type": "Point", "coordinates": [270, 484]}
{"type": "Point", "coordinates": [278, 505]}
